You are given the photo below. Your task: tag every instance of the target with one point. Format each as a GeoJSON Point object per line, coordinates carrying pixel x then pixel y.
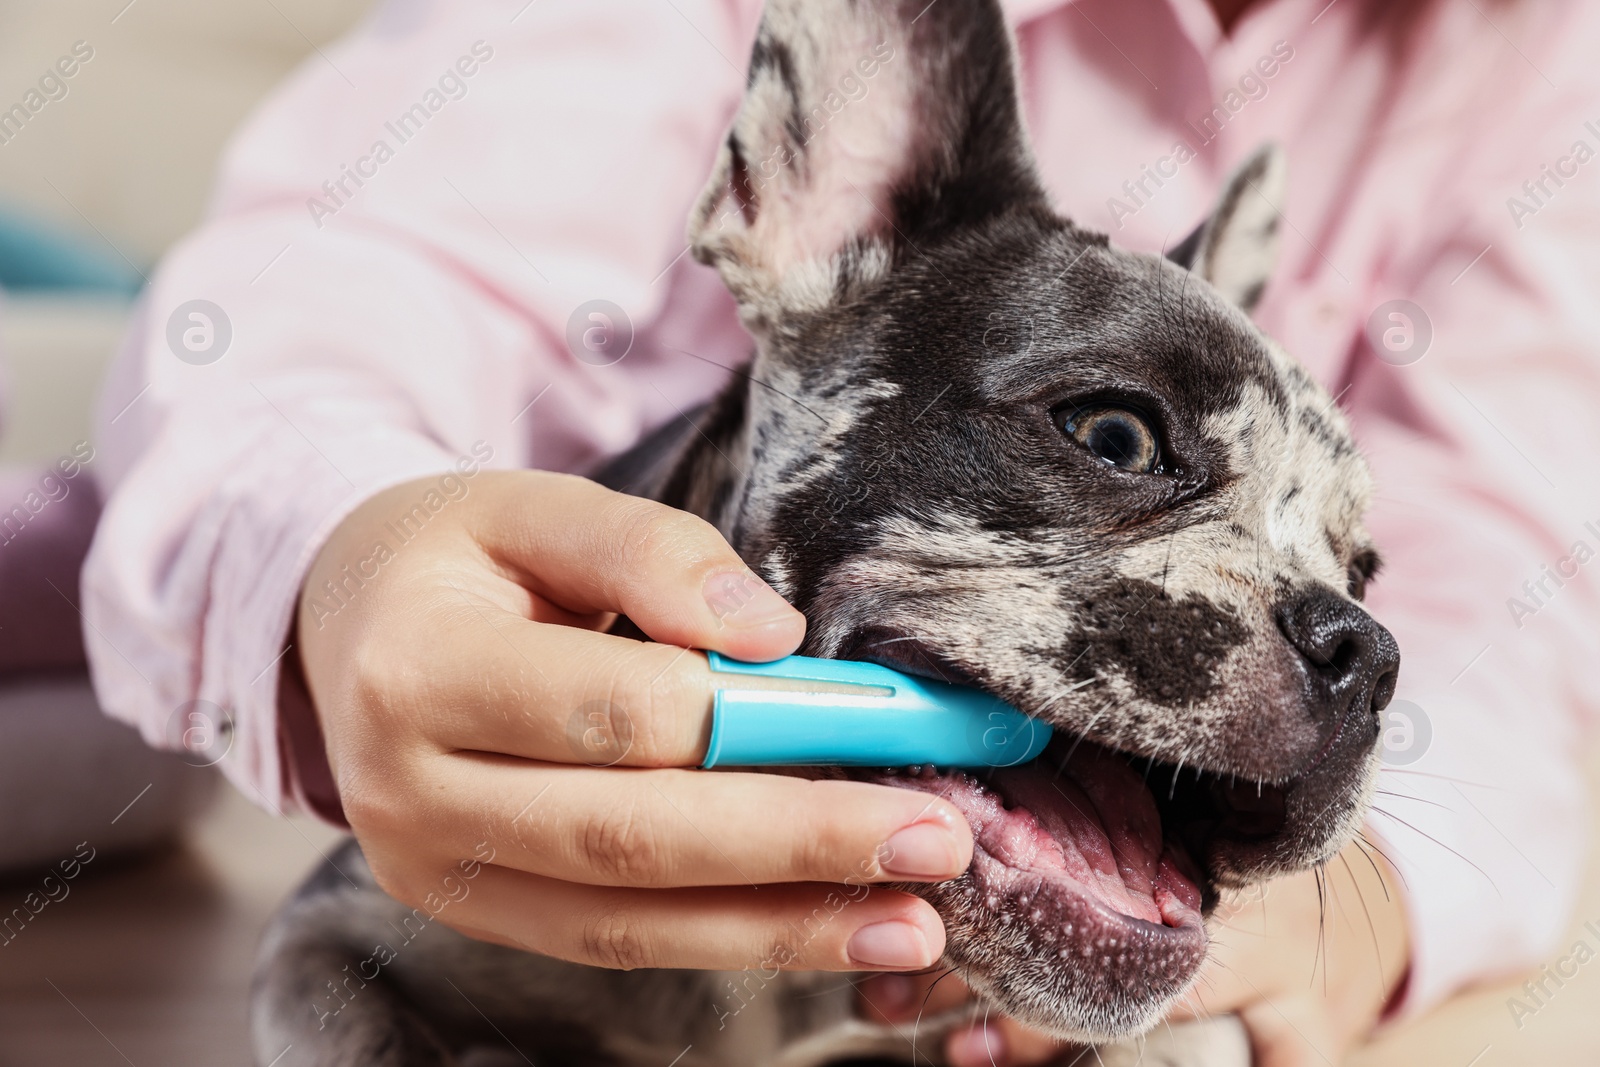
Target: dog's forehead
{"type": "Point", "coordinates": [1031, 314]}
{"type": "Point", "coordinates": [1026, 308]}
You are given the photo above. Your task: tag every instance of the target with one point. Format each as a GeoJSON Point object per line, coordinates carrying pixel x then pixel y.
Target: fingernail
{"type": "Point", "coordinates": [739, 598]}
{"type": "Point", "coordinates": [922, 850]}
{"type": "Point", "coordinates": [895, 945]}
{"type": "Point", "coordinates": [978, 1047]}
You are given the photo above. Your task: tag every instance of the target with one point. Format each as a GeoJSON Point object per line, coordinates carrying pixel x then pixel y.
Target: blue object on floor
{"type": "Point", "coordinates": [36, 255]}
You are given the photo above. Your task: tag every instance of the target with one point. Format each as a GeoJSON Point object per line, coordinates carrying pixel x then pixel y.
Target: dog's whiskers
{"type": "Point", "coordinates": [1441, 777]}
{"type": "Point", "coordinates": [1085, 734]}
{"type": "Point", "coordinates": [1415, 829]}
{"type": "Point", "coordinates": [1322, 925]}
{"type": "Point", "coordinates": [1408, 796]}
{"type": "Point", "coordinates": [1362, 844]}
{"type": "Point", "coordinates": [1073, 688]}
{"type": "Point", "coordinates": [1149, 765]}
{"type": "Point", "coordinates": [1377, 951]}
{"type": "Point", "coordinates": [916, 1024]}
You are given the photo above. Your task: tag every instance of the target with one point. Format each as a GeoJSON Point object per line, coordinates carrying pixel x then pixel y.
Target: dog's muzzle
{"type": "Point", "coordinates": [1351, 662]}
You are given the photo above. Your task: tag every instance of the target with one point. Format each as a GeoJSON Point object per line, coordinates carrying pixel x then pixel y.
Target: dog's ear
{"type": "Point", "coordinates": [1236, 248]}
{"type": "Point", "coordinates": [868, 127]}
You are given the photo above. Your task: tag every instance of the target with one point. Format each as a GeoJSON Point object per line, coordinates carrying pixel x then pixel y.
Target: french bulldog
{"type": "Point", "coordinates": [979, 443]}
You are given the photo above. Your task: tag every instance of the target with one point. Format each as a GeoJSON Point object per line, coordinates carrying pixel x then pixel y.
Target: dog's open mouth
{"type": "Point", "coordinates": [1072, 841]}
{"type": "Point", "coordinates": [1072, 850]}
{"type": "Point", "coordinates": [1099, 858]}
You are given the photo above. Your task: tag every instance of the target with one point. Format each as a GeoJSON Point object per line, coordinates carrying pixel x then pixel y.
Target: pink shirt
{"type": "Point", "coordinates": [401, 232]}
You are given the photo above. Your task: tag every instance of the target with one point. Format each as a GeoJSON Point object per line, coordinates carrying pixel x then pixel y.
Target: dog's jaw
{"type": "Point", "coordinates": [895, 468]}
{"type": "Point", "coordinates": [1076, 913]}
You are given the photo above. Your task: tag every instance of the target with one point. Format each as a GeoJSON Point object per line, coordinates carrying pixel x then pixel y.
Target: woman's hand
{"type": "Point", "coordinates": [1307, 968]}
{"type": "Point", "coordinates": [471, 704]}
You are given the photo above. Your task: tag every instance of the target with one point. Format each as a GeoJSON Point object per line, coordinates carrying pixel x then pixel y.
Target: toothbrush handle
{"type": "Point", "coordinates": [916, 721]}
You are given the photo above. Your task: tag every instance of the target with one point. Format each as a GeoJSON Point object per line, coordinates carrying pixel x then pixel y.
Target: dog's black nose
{"type": "Point", "coordinates": [1355, 659]}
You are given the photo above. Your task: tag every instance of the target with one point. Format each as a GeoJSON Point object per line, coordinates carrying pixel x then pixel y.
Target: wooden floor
{"type": "Point", "coordinates": [147, 964]}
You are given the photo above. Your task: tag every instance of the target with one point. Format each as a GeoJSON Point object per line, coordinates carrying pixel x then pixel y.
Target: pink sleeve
{"type": "Point", "coordinates": [398, 239]}
{"type": "Point", "coordinates": [1488, 512]}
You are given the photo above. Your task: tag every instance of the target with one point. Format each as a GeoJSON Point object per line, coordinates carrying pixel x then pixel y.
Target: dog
{"type": "Point", "coordinates": [977, 443]}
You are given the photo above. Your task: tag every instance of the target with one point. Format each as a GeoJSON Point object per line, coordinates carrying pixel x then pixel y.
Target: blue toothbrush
{"type": "Point", "coordinates": [868, 716]}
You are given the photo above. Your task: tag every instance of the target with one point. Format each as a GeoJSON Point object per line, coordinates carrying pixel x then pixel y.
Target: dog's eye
{"type": "Point", "coordinates": [1114, 435]}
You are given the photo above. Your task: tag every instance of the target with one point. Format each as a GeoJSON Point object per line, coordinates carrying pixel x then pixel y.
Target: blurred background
{"type": "Point", "coordinates": [146, 961]}
{"type": "Point", "coordinates": [101, 181]}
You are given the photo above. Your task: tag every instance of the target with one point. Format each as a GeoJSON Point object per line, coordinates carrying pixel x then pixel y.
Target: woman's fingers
{"type": "Point", "coordinates": [1344, 928]}
{"type": "Point", "coordinates": [468, 667]}
{"type": "Point", "coordinates": [453, 718]}
{"type": "Point", "coordinates": [895, 998]}
{"type": "Point", "coordinates": [560, 694]}
{"type": "Point", "coordinates": [1002, 1042]}
{"type": "Point", "coordinates": [993, 1041]}
{"type": "Point", "coordinates": [793, 927]}
{"type": "Point", "coordinates": [669, 828]}
{"type": "Point", "coordinates": [589, 549]}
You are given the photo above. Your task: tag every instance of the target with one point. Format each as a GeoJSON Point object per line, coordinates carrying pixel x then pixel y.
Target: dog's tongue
{"type": "Point", "coordinates": [1095, 824]}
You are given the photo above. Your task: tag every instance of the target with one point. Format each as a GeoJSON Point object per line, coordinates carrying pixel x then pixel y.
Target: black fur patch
{"type": "Point", "coordinates": [1168, 650]}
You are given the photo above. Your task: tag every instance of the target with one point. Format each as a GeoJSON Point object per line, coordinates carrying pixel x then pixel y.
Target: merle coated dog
{"type": "Point", "coordinates": [979, 443]}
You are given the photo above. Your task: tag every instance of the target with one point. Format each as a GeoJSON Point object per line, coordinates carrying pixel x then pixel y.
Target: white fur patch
{"type": "Point", "coordinates": [1240, 244]}
{"type": "Point", "coordinates": [822, 150]}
